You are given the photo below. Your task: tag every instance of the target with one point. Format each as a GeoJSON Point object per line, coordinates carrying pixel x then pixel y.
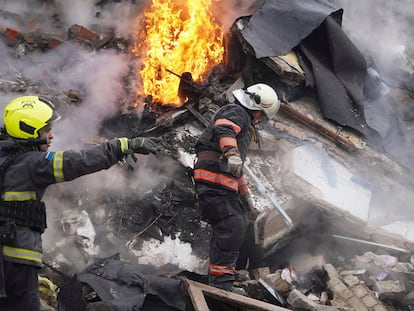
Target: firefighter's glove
{"type": "Point", "coordinates": [145, 145]}
{"type": "Point", "coordinates": [235, 165]}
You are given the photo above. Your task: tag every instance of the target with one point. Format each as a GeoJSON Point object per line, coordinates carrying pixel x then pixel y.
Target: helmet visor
{"type": "Point", "coordinates": [55, 115]}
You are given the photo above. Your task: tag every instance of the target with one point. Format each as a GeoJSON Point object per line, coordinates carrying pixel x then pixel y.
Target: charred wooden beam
{"type": "Point", "coordinates": [320, 128]}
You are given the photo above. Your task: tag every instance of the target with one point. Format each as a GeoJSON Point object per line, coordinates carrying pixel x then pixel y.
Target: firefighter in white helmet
{"type": "Point", "coordinates": [27, 168]}
{"type": "Point", "coordinates": [259, 97]}
{"type": "Point", "coordinates": [223, 196]}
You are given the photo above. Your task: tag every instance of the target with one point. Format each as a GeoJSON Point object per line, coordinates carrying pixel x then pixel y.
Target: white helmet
{"type": "Point", "coordinates": [259, 97]}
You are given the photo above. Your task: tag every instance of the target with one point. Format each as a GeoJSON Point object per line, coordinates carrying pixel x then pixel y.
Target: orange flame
{"type": "Point", "coordinates": [180, 36]}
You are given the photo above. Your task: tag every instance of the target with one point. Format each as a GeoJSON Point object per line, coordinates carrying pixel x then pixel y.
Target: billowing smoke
{"type": "Point", "coordinates": [228, 11]}
{"type": "Point", "coordinates": [381, 29]}
{"type": "Point", "coordinates": [99, 78]}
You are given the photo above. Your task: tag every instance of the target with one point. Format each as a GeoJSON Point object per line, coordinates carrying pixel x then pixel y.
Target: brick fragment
{"type": "Point", "coordinates": [259, 273]}
{"type": "Point", "coordinates": [53, 43]}
{"type": "Point", "coordinates": [277, 282]}
{"type": "Point", "coordinates": [356, 304]}
{"type": "Point", "coordinates": [369, 301]}
{"type": "Point", "coordinates": [390, 289]}
{"type": "Point", "coordinates": [83, 33]}
{"type": "Point", "coordinates": [351, 280]}
{"type": "Point", "coordinates": [12, 36]}
{"type": "Point", "coordinates": [360, 291]}
{"type": "Point", "coordinates": [339, 288]}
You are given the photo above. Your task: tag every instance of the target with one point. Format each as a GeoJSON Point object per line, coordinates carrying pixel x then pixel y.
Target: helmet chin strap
{"type": "Point", "coordinates": [255, 97]}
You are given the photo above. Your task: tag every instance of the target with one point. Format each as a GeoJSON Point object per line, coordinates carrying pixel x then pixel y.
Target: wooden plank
{"type": "Point", "coordinates": [319, 127]}
{"type": "Point", "coordinates": [197, 297]}
{"type": "Point", "coordinates": [229, 297]}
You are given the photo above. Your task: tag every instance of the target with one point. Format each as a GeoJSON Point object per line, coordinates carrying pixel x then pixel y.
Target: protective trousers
{"type": "Point", "coordinates": [22, 288]}
{"type": "Point", "coordinates": [227, 217]}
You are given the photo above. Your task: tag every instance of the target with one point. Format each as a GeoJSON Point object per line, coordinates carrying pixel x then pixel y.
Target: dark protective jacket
{"type": "Point", "coordinates": [25, 180]}
{"type": "Point", "coordinates": [230, 131]}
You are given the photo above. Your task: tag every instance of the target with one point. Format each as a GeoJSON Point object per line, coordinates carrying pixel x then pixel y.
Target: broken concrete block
{"type": "Point", "coordinates": [359, 272]}
{"type": "Point", "coordinates": [379, 260]}
{"type": "Point", "coordinates": [350, 291]}
{"type": "Point", "coordinates": [339, 288]}
{"type": "Point", "coordinates": [390, 289]}
{"type": "Point", "coordinates": [360, 291]}
{"type": "Point", "coordinates": [351, 280]}
{"type": "Point", "coordinates": [272, 228]}
{"type": "Point", "coordinates": [259, 273]}
{"type": "Point", "coordinates": [370, 301]}
{"type": "Point", "coordinates": [276, 281]}
{"type": "Point", "coordinates": [326, 182]}
{"type": "Point", "coordinates": [356, 304]}
{"type": "Point", "coordinates": [298, 300]}
{"type": "Point", "coordinates": [339, 304]}
{"type": "Point", "coordinates": [330, 269]}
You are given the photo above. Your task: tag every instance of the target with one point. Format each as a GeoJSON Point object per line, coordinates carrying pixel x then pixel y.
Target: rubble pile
{"type": "Point", "coordinates": [366, 282]}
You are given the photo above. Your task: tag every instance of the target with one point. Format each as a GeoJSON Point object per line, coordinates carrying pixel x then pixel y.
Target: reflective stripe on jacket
{"type": "Point", "coordinates": [220, 270]}
{"type": "Point", "coordinates": [24, 254]}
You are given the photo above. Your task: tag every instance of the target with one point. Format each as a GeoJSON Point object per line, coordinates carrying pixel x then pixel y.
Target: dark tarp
{"type": "Point", "coordinates": [70, 296]}
{"type": "Point", "coordinates": [339, 74]}
{"type": "Point", "coordinates": [130, 286]}
{"type": "Point", "coordinates": [279, 26]}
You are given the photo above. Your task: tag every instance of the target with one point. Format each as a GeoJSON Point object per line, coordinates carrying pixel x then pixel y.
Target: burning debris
{"type": "Point", "coordinates": [334, 196]}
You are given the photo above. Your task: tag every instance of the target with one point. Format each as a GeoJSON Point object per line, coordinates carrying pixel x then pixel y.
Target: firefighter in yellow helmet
{"type": "Point", "coordinates": [223, 196]}
{"type": "Point", "coordinates": [27, 168]}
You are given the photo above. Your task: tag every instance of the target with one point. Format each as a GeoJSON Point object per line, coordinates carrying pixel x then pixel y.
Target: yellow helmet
{"type": "Point", "coordinates": [25, 116]}
{"type": "Point", "coordinates": [259, 97]}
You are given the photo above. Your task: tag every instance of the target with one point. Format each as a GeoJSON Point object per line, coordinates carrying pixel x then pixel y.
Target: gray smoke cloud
{"type": "Point", "coordinates": [382, 29]}
{"type": "Point", "coordinates": [99, 77]}
{"type": "Point", "coordinates": [228, 11]}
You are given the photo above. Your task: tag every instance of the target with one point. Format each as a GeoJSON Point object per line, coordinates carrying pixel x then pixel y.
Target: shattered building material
{"type": "Point", "coordinates": [356, 296]}
{"type": "Point", "coordinates": [298, 300]}
{"type": "Point", "coordinates": [394, 290]}
{"type": "Point", "coordinates": [11, 36]}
